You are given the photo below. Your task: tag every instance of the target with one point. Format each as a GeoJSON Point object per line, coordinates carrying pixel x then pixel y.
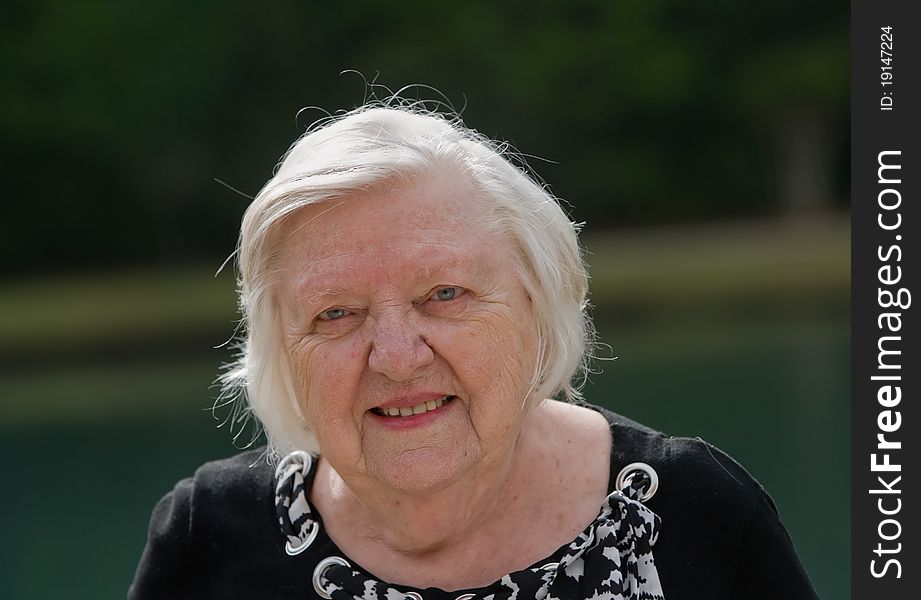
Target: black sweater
{"type": "Point", "coordinates": [215, 534]}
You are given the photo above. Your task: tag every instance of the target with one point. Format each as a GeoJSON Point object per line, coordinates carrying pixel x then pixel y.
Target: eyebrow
{"type": "Point", "coordinates": [319, 296]}
{"type": "Point", "coordinates": [316, 287]}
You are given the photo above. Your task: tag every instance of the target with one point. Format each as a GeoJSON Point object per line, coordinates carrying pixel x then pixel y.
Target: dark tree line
{"type": "Point", "coordinates": [117, 116]}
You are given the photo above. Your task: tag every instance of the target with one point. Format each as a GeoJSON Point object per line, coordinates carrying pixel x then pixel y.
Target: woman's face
{"type": "Point", "coordinates": [410, 337]}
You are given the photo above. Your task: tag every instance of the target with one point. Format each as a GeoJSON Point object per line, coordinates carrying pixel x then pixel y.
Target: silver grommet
{"type": "Point", "coordinates": [551, 566]}
{"type": "Point", "coordinates": [414, 595]}
{"type": "Point", "coordinates": [304, 457]}
{"type": "Point", "coordinates": [639, 466]}
{"type": "Point", "coordinates": [295, 550]}
{"type": "Point", "coordinates": [464, 597]}
{"type": "Point", "coordinates": [320, 572]}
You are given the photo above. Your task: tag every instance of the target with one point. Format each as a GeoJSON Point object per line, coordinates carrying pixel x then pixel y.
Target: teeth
{"type": "Point", "coordinates": [408, 411]}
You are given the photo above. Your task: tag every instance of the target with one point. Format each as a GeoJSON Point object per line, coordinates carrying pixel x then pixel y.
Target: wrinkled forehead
{"type": "Point", "coordinates": [440, 199]}
{"type": "Point", "coordinates": [440, 222]}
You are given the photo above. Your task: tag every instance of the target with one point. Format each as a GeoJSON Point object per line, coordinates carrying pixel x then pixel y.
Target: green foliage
{"type": "Point", "coordinates": [118, 115]}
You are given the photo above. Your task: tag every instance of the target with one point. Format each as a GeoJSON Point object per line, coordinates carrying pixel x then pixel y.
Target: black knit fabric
{"type": "Point", "coordinates": [216, 535]}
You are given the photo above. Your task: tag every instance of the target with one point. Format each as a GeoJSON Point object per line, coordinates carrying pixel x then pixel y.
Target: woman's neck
{"type": "Point", "coordinates": [423, 523]}
{"type": "Point", "coordinates": [480, 527]}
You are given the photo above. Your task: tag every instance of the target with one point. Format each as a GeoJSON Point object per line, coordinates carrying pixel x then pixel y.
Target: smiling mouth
{"type": "Point", "coordinates": [418, 409]}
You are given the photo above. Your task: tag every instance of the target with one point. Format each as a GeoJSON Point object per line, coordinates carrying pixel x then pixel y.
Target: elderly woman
{"type": "Point", "coordinates": [414, 303]}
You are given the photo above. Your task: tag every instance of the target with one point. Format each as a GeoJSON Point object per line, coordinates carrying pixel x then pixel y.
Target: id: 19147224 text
{"type": "Point", "coordinates": [886, 71]}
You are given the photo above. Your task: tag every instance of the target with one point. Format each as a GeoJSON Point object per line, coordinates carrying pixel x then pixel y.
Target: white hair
{"type": "Point", "coordinates": [366, 147]}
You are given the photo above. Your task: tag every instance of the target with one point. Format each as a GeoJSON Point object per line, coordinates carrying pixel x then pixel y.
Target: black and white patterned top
{"type": "Point", "coordinates": [611, 559]}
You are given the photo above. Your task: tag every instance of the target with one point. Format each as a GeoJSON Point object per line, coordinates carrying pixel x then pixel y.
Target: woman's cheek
{"type": "Point", "coordinates": [482, 348]}
{"type": "Point", "coordinates": [332, 367]}
{"type": "Point", "coordinates": [312, 363]}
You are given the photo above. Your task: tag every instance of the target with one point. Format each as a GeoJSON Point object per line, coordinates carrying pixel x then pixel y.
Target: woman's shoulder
{"type": "Point", "coordinates": [217, 522]}
{"type": "Point", "coordinates": [221, 491]}
{"type": "Point", "coordinates": [225, 486]}
{"type": "Point", "coordinates": [246, 472]}
{"type": "Point", "coordinates": [692, 467]}
{"type": "Point", "coordinates": [721, 531]}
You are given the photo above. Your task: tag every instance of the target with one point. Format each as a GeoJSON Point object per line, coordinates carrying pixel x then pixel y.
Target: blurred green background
{"type": "Point", "coordinates": [704, 145]}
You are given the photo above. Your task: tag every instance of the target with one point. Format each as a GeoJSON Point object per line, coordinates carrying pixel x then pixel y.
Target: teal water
{"type": "Point", "coordinates": [775, 395]}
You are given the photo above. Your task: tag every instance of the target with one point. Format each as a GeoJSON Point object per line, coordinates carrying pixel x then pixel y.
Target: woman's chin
{"type": "Point", "coordinates": [421, 470]}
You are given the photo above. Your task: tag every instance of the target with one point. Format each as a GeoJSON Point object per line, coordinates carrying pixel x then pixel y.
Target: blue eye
{"type": "Point", "coordinates": [448, 293]}
{"type": "Point", "coordinates": [333, 314]}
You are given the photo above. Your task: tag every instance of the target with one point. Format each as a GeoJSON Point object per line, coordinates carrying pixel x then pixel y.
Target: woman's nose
{"type": "Point", "coordinates": [398, 348]}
